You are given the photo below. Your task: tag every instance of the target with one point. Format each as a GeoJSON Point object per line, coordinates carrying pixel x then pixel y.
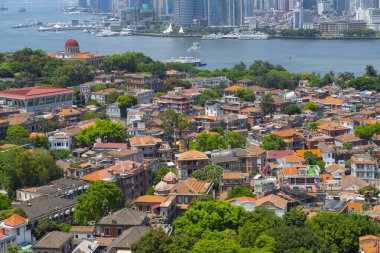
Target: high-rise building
{"type": "Point", "coordinates": [341, 5]}
{"type": "Point", "coordinates": [101, 5]}
{"type": "Point", "coordinates": [82, 3]}
{"type": "Point", "coordinates": [190, 12]}
{"type": "Point", "coordinates": [283, 5]}
{"type": "Point", "coordinates": [298, 16]}
{"type": "Point", "coordinates": [225, 12]}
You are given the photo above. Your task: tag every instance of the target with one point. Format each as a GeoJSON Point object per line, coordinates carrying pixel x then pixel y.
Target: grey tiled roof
{"type": "Point", "coordinates": [128, 237]}
{"type": "Point", "coordinates": [53, 240]}
{"type": "Point", "coordinates": [125, 217]}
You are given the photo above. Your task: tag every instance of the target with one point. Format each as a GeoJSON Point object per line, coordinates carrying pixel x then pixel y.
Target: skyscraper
{"type": "Point", "coordinates": [82, 3]}
{"type": "Point", "coordinates": [189, 12]}
{"type": "Point", "coordinates": [101, 5]}
{"type": "Point", "coordinates": [225, 12]}
{"type": "Point", "coordinates": [298, 16]}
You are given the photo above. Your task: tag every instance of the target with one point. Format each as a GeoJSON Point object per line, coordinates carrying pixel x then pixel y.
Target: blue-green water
{"type": "Point", "coordinates": [296, 55]}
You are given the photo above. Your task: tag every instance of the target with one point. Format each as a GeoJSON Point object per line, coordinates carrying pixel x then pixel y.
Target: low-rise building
{"type": "Point", "coordinates": [60, 140]}
{"type": "Point", "coordinates": [179, 103]}
{"type": "Point", "coordinates": [231, 179]}
{"type": "Point", "coordinates": [188, 162]}
{"type": "Point", "coordinates": [114, 224]}
{"type": "Point", "coordinates": [14, 230]}
{"type": "Point", "coordinates": [55, 242]}
{"type": "Point", "coordinates": [363, 167]}
{"type": "Point", "coordinates": [210, 82]}
{"type": "Point", "coordinates": [37, 98]}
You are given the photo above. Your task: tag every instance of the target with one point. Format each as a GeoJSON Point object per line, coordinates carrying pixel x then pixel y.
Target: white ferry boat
{"type": "Point", "coordinates": [194, 61]}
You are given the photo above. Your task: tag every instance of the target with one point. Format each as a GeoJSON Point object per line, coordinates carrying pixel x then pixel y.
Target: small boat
{"type": "Point", "coordinates": [86, 31]}
{"type": "Point", "coordinates": [22, 9]}
{"type": "Point", "coordinates": [126, 32]}
{"type": "Point", "coordinates": [186, 60]}
{"type": "Point", "coordinates": [194, 47]}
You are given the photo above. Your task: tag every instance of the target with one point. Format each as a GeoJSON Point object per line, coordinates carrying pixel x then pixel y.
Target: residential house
{"type": "Point", "coordinates": [290, 161]}
{"type": "Point", "coordinates": [234, 122]}
{"type": "Point", "coordinates": [142, 96]}
{"type": "Point", "coordinates": [226, 162]}
{"type": "Point", "coordinates": [148, 203]}
{"type": "Point", "coordinates": [68, 116]}
{"type": "Point", "coordinates": [126, 154]}
{"type": "Point", "coordinates": [27, 120]}
{"type": "Point", "coordinates": [179, 103]}
{"type": "Point", "coordinates": [140, 81]}
{"type": "Point", "coordinates": [301, 177]}
{"type": "Point", "coordinates": [351, 183]}
{"type": "Point", "coordinates": [124, 242]}
{"type": "Point", "coordinates": [83, 232]}
{"type": "Point", "coordinates": [54, 242]}
{"type": "Point", "coordinates": [114, 224]}
{"type": "Point", "coordinates": [188, 162]}
{"type": "Point", "coordinates": [213, 108]}
{"type": "Point", "coordinates": [231, 179]}
{"type": "Point", "coordinates": [210, 82]}
{"type": "Point", "coordinates": [333, 129]}
{"type": "Point", "coordinates": [59, 140]}
{"type": "Point", "coordinates": [108, 146]}
{"type": "Point", "coordinates": [187, 190]}
{"type": "Point", "coordinates": [273, 202]}
{"type": "Point", "coordinates": [247, 203]}
{"type": "Point", "coordinates": [230, 91]}
{"type": "Point", "coordinates": [273, 155]}
{"type": "Point", "coordinates": [113, 111]}
{"type": "Point", "coordinates": [87, 247]}
{"type": "Point", "coordinates": [151, 147]}
{"type": "Point", "coordinates": [369, 244]}
{"type": "Point", "coordinates": [102, 95]}
{"type": "Point", "coordinates": [294, 139]}
{"type": "Point", "coordinates": [348, 140]}
{"type": "Point", "coordinates": [14, 230]}
{"type": "Point", "coordinates": [363, 167]}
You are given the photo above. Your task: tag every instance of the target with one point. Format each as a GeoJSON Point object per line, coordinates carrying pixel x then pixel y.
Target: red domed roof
{"type": "Point", "coordinates": [71, 43]}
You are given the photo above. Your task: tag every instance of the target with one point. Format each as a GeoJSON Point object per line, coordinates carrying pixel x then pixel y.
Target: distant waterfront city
{"type": "Point", "coordinates": [318, 56]}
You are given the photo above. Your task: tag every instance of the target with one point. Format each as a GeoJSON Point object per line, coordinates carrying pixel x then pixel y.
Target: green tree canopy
{"type": "Point", "coordinates": [35, 167]}
{"type": "Point", "coordinates": [239, 191]}
{"type": "Point", "coordinates": [105, 130]}
{"type": "Point", "coordinates": [101, 198]}
{"type": "Point", "coordinates": [208, 216]}
{"type": "Point", "coordinates": [245, 94]}
{"type": "Point", "coordinates": [310, 158]}
{"type": "Point", "coordinates": [210, 173]}
{"type": "Point", "coordinates": [273, 142]}
{"type": "Point", "coordinates": [342, 230]}
{"type": "Point", "coordinates": [311, 106]}
{"type": "Point", "coordinates": [208, 94]}
{"type": "Point", "coordinates": [292, 109]}
{"type": "Point", "coordinates": [266, 104]}
{"type": "Point", "coordinates": [371, 188]}
{"type": "Point", "coordinates": [295, 217]}
{"type": "Point", "coordinates": [171, 121]}
{"type": "Point", "coordinates": [17, 135]}
{"type": "Point", "coordinates": [5, 202]}
{"type": "Point", "coordinates": [124, 102]}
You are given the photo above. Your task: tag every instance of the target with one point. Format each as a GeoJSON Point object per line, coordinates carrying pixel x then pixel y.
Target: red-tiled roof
{"type": "Point", "coordinates": [33, 92]}
{"type": "Point", "coordinates": [15, 220]}
{"type": "Point", "coordinates": [110, 145]}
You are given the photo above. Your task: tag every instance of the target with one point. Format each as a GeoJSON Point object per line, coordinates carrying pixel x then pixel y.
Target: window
{"type": "Point", "coordinates": [180, 199]}
{"type": "Point", "coordinates": [106, 231]}
{"type": "Point", "coordinates": [148, 208]}
{"type": "Point", "coordinates": [88, 236]}
{"type": "Point", "coordinates": [18, 231]}
{"type": "Point", "coordinates": [119, 231]}
{"type": "Point", "coordinates": [186, 200]}
{"type": "Point", "coordinates": [76, 236]}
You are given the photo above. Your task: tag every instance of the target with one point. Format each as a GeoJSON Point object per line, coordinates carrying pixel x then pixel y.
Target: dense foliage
{"type": "Point", "coordinates": [26, 168]}
{"type": "Point", "coordinates": [240, 191]}
{"type": "Point", "coordinates": [273, 142]}
{"type": "Point", "coordinates": [217, 226]}
{"type": "Point", "coordinates": [105, 130]}
{"type": "Point", "coordinates": [209, 142]}
{"type": "Point", "coordinates": [210, 173]}
{"type": "Point", "coordinates": [101, 198]}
